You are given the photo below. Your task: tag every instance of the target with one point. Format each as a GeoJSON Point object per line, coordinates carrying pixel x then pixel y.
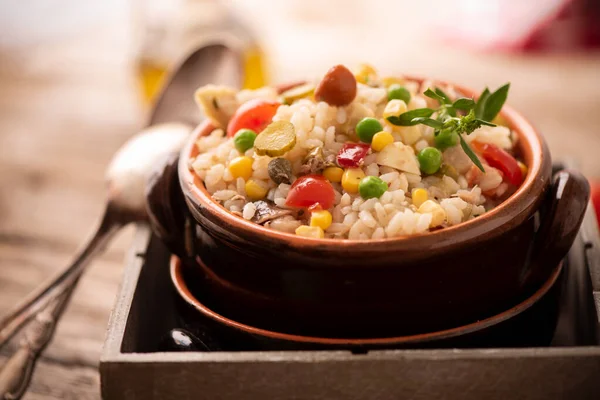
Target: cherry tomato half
{"type": "Point", "coordinates": [498, 158]}
{"type": "Point", "coordinates": [254, 114]}
{"type": "Point", "coordinates": [352, 155]}
{"type": "Point", "coordinates": [310, 190]}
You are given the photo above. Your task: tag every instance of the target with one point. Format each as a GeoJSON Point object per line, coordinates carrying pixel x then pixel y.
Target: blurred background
{"type": "Point", "coordinates": [77, 78]}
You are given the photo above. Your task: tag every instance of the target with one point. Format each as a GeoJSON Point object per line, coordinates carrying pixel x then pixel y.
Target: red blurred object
{"type": "Point", "coordinates": [352, 155]}
{"type": "Point", "coordinates": [517, 25]}
{"type": "Point", "coordinates": [595, 185]}
{"type": "Point", "coordinates": [501, 160]}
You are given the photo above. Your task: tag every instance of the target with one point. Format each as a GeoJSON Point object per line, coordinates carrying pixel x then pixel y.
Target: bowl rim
{"type": "Point", "coordinates": [516, 208]}
{"type": "Point", "coordinates": [176, 274]}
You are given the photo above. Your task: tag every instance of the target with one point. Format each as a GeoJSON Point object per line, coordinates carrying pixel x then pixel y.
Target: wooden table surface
{"type": "Point", "coordinates": [69, 101]}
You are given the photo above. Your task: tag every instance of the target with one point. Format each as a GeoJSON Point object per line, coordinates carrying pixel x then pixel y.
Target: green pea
{"type": "Point", "coordinates": [244, 139]}
{"type": "Point", "coordinates": [430, 160]}
{"type": "Point", "coordinates": [367, 128]}
{"type": "Point", "coordinates": [446, 139]}
{"type": "Point", "coordinates": [372, 186]}
{"type": "Point", "coordinates": [399, 92]}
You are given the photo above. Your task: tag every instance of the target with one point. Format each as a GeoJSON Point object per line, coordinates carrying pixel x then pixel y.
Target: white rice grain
{"type": "Point", "coordinates": [248, 211]}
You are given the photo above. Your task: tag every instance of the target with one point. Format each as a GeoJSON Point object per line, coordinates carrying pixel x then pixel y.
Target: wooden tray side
{"type": "Point", "coordinates": [130, 371]}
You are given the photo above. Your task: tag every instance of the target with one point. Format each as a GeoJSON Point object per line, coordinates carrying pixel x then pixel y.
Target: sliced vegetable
{"type": "Point", "coordinates": [337, 88]}
{"type": "Point", "coordinates": [297, 93]}
{"type": "Point", "coordinates": [372, 187]}
{"type": "Point", "coordinates": [399, 156]}
{"type": "Point", "coordinates": [367, 128]}
{"type": "Point", "coordinates": [430, 160]}
{"type": "Point", "coordinates": [500, 159]}
{"type": "Point", "coordinates": [280, 170]}
{"type": "Point", "coordinates": [244, 140]}
{"type": "Point", "coordinates": [276, 139]}
{"type": "Point", "coordinates": [254, 114]}
{"type": "Point", "coordinates": [398, 92]}
{"type": "Point", "coordinates": [218, 103]}
{"type": "Point", "coordinates": [310, 190]}
{"type": "Point", "coordinates": [352, 155]}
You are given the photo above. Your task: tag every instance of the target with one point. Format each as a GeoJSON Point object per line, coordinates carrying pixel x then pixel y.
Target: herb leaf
{"type": "Point", "coordinates": [480, 106]}
{"type": "Point", "coordinates": [443, 95]}
{"type": "Point", "coordinates": [494, 103]}
{"type": "Point", "coordinates": [434, 123]}
{"type": "Point", "coordinates": [469, 152]}
{"type": "Point", "coordinates": [433, 95]}
{"type": "Point", "coordinates": [464, 104]}
{"type": "Point", "coordinates": [406, 119]}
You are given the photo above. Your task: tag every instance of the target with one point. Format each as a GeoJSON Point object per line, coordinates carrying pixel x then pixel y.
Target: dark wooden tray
{"type": "Point", "coordinates": [131, 368]}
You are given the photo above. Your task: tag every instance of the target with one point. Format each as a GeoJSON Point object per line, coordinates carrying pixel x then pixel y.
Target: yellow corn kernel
{"type": "Point", "coordinates": [255, 191]}
{"type": "Point", "coordinates": [438, 215]}
{"type": "Point", "coordinates": [241, 167]}
{"type": "Point", "coordinates": [381, 139]}
{"type": "Point", "coordinates": [351, 179]}
{"type": "Point", "coordinates": [394, 108]}
{"type": "Point", "coordinates": [321, 218]}
{"type": "Point", "coordinates": [365, 73]}
{"type": "Point", "coordinates": [388, 81]}
{"type": "Point", "coordinates": [310, 231]}
{"type": "Point", "coordinates": [333, 174]}
{"type": "Point", "coordinates": [419, 196]}
{"type": "Point", "coordinates": [523, 168]}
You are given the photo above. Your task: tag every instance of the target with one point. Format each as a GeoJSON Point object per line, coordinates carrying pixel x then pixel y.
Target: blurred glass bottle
{"type": "Point", "coordinates": [168, 30]}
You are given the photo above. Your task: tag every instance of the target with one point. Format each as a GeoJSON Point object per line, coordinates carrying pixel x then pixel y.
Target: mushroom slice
{"type": "Point", "coordinates": [266, 211]}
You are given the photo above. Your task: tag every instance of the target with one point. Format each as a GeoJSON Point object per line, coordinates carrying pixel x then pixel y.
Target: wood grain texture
{"type": "Point", "coordinates": [68, 100]}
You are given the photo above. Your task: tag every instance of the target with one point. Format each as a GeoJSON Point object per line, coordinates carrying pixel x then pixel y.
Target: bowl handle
{"type": "Point", "coordinates": [565, 208]}
{"type": "Point", "coordinates": [167, 211]}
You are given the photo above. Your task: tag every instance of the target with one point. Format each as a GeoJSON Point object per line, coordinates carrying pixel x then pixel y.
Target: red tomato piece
{"type": "Point", "coordinates": [254, 114]}
{"type": "Point", "coordinates": [498, 158]}
{"type": "Point", "coordinates": [352, 155]}
{"type": "Point", "coordinates": [309, 191]}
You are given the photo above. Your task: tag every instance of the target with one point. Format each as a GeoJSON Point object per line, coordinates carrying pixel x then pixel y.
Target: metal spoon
{"type": "Point", "coordinates": [127, 175]}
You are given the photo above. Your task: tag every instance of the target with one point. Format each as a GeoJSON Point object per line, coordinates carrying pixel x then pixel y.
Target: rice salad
{"type": "Point", "coordinates": [355, 155]}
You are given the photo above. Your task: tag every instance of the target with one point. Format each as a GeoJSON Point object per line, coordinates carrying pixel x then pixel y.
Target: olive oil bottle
{"type": "Point", "coordinates": [168, 30]}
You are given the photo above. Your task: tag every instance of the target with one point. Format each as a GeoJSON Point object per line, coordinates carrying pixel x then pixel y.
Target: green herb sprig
{"type": "Point", "coordinates": [447, 119]}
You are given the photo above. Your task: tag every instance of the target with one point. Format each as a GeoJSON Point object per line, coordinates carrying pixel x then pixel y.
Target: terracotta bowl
{"type": "Point", "coordinates": [373, 288]}
{"type": "Point", "coordinates": [531, 323]}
